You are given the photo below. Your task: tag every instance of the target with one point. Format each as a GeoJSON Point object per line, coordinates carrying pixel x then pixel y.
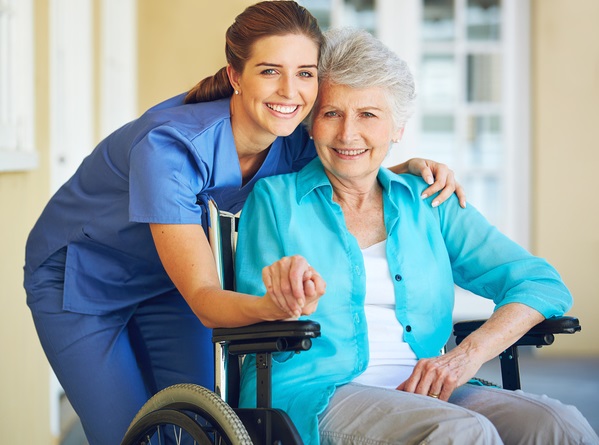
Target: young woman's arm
{"type": "Point", "coordinates": [187, 258]}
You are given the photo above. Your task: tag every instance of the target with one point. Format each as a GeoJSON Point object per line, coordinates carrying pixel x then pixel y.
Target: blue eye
{"type": "Point", "coordinates": [368, 114]}
{"type": "Point", "coordinates": [269, 71]}
{"type": "Point", "coordinates": [330, 114]}
{"type": "Point", "coordinates": [306, 74]}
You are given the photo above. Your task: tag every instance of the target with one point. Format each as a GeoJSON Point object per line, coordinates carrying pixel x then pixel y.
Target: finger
{"type": "Point", "coordinates": [461, 193]}
{"type": "Point", "coordinates": [310, 290]}
{"type": "Point", "coordinates": [446, 392]}
{"type": "Point", "coordinates": [443, 196]}
{"type": "Point", "coordinates": [427, 377]}
{"type": "Point", "coordinates": [320, 285]}
{"type": "Point", "coordinates": [412, 382]}
{"type": "Point", "coordinates": [272, 275]}
{"type": "Point", "coordinates": [301, 273]}
{"type": "Point", "coordinates": [435, 390]}
{"type": "Point", "coordinates": [439, 184]}
{"type": "Point", "coordinates": [292, 280]}
{"type": "Point", "coordinates": [427, 174]}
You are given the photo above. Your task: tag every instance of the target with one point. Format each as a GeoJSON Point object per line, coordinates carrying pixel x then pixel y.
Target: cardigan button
{"type": "Point", "coordinates": [398, 277]}
{"type": "Point", "coordinates": [408, 328]}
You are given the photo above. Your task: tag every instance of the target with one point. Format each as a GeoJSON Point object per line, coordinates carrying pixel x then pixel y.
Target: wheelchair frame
{"type": "Point", "coordinates": [213, 417]}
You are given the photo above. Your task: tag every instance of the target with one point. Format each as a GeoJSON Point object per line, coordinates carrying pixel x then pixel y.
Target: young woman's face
{"type": "Point", "coordinates": [352, 130]}
{"type": "Point", "coordinates": [278, 85]}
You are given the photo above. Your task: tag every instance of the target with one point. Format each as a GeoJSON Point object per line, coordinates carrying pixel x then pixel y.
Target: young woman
{"type": "Point", "coordinates": [119, 275]}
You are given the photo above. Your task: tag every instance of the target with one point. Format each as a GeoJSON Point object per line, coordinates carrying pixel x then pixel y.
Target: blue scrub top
{"type": "Point", "coordinates": [428, 251]}
{"type": "Point", "coordinates": [151, 170]}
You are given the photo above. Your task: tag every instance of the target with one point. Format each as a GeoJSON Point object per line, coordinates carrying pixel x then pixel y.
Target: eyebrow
{"type": "Point", "coordinates": [360, 109]}
{"type": "Point", "coordinates": [276, 65]}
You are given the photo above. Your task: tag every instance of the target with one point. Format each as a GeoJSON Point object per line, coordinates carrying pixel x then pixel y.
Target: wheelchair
{"type": "Point", "coordinates": [189, 413]}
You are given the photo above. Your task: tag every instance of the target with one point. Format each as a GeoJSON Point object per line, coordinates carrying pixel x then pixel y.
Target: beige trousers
{"type": "Point", "coordinates": [364, 415]}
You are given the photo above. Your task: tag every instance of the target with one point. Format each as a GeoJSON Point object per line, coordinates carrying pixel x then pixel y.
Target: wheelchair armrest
{"type": "Point", "coordinates": [271, 336]}
{"type": "Point", "coordinates": [539, 335]}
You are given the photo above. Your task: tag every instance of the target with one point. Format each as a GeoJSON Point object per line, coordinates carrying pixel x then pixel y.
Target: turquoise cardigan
{"type": "Point", "coordinates": [428, 250]}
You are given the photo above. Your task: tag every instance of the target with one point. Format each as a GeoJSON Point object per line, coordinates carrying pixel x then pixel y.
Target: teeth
{"type": "Point", "coordinates": [350, 152]}
{"type": "Point", "coordinates": [282, 108]}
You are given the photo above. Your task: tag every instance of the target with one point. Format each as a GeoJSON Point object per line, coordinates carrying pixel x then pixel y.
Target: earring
{"type": "Point", "coordinates": [236, 92]}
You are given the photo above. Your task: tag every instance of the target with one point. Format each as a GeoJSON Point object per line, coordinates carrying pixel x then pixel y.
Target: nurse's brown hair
{"type": "Point", "coordinates": [264, 19]}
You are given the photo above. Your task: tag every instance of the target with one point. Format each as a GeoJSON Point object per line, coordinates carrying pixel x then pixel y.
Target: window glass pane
{"type": "Point", "coordinates": [484, 141]}
{"type": "Point", "coordinates": [483, 20]}
{"type": "Point", "coordinates": [321, 9]}
{"type": "Point", "coordinates": [484, 192]}
{"type": "Point", "coordinates": [438, 137]}
{"type": "Point", "coordinates": [360, 14]}
{"type": "Point", "coordinates": [438, 22]}
{"type": "Point", "coordinates": [438, 82]}
{"type": "Point", "coordinates": [484, 78]}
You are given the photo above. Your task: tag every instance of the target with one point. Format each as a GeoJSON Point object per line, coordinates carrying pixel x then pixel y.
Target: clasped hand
{"type": "Point", "coordinates": [293, 286]}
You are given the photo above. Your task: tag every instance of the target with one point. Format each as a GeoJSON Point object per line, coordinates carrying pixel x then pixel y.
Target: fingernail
{"type": "Point", "coordinates": [429, 180]}
{"type": "Point", "coordinates": [424, 196]}
{"type": "Point", "coordinates": [435, 203]}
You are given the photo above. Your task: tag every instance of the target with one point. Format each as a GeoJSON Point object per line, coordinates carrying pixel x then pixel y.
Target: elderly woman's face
{"type": "Point", "coordinates": [352, 130]}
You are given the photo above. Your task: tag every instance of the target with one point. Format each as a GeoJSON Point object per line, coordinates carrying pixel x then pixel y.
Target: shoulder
{"type": "Point", "coordinates": [277, 185]}
{"type": "Point", "coordinates": [189, 120]}
{"type": "Point", "coordinates": [402, 184]}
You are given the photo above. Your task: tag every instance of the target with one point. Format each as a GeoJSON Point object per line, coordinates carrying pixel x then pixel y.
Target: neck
{"type": "Point", "coordinates": [248, 142]}
{"type": "Point", "coordinates": [363, 214]}
{"type": "Point", "coordinates": [362, 205]}
{"type": "Point", "coordinates": [356, 194]}
{"type": "Point", "coordinates": [251, 147]}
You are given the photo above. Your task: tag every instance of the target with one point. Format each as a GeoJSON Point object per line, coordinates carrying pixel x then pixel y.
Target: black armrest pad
{"type": "Point", "coordinates": [268, 330]}
{"type": "Point", "coordinates": [557, 325]}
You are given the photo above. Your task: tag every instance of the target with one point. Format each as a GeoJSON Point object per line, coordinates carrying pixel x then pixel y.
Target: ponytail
{"type": "Point", "coordinates": [211, 88]}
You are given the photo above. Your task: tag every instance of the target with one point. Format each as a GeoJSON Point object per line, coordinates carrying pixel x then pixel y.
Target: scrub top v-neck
{"type": "Point", "coordinates": [152, 170]}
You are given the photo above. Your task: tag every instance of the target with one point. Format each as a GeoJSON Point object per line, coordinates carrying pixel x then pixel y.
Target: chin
{"type": "Point", "coordinates": [286, 131]}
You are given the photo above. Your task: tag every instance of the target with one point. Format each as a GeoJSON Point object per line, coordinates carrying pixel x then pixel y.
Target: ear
{"type": "Point", "coordinates": [233, 76]}
{"type": "Point", "coordinates": [397, 135]}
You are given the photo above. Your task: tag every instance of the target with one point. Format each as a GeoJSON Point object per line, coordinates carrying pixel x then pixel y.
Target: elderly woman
{"type": "Point", "coordinates": [390, 263]}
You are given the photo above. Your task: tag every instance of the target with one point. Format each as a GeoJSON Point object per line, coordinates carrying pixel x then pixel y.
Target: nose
{"type": "Point", "coordinates": [347, 130]}
{"type": "Point", "coordinates": [288, 87]}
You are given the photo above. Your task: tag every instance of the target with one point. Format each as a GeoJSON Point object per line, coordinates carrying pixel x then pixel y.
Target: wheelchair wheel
{"type": "Point", "coordinates": [186, 414]}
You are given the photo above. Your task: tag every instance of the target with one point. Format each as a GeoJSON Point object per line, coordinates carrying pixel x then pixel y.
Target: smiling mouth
{"type": "Point", "coordinates": [283, 109]}
{"type": "Point", "coordinates": [350, 152]}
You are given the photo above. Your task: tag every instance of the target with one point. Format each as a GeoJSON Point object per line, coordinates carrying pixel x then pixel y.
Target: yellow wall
{"type": "Point", "coordinates": [24, 371]}
{"type": "Point", "coordinates": [565, 98]}
{"type": "Point", "coordinates": [180, 42]}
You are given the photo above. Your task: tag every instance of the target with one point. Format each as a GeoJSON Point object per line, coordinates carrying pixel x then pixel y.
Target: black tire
{"type": "Point", "coordinates": [200, 413]}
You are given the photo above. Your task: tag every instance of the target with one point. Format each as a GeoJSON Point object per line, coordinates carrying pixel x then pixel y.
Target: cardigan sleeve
{"type": "Point", "coordinates": [488, 263]}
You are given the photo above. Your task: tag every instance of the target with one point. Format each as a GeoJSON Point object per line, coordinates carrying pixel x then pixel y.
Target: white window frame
{"type": "Point", "coordinates": [72, 84]}
{"type": "Point", "coordinates": [17, 105]}
{"type": "Point", "coordinates": [406, 15]}
{"type": "Point", "coordinates": [515, 105]}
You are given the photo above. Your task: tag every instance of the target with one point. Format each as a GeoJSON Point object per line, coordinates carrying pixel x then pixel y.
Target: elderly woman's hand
{"type": "Point", "coordinates": [293, 285]}
{"type": "Point", "coordinates": [440, 178]}
{"type": "Point", "coordinates": [439, 376]}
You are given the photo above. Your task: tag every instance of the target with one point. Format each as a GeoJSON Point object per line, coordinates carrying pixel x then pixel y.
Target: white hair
{"type": "Point", "coordinates": [355, 58]}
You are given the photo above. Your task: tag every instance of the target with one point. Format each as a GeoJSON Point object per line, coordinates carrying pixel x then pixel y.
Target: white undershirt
{"type": "Point", "coordinates": [391, 358]}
